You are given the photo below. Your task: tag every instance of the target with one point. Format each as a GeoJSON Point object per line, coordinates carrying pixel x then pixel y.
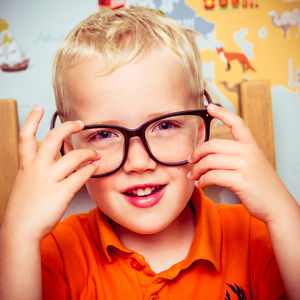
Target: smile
{"type": "Point", "coordinates": [145, 196]}
{"type": "Point", "coordinates": [144, 191]}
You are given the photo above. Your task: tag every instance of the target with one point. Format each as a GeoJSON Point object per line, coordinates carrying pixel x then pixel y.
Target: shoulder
{"type": "Point", "coordinates": [69, 231]}
{"type": "Point", "coordinates": [231, 220]}
{"type": "Point", "coordinates": [232, 211]}
{"type": "Point", "coordinates": [233, 217]}
{"type": "Point", "coordinates": [236, 217]}
{"type": "Point", "coordinates": [73, 223]}
{"type": "Point", "coordinates": [246, 254]}
{"type": "Point", "coordinates": [240, 229]}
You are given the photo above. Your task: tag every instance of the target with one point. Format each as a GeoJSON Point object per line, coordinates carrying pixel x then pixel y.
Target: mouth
{"type": "Point", "coordinates": [142, 192]}
{"type": "Point", "coordinates": [144, 196]}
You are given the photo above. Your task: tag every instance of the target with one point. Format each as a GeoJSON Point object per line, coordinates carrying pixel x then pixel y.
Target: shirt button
{"type": "Point", "coordinates": [135, 264]}
{"type": "Point", "coordinates": [154, 297]}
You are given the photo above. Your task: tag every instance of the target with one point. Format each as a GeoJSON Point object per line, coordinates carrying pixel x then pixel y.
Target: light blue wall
{"type": "Point", "coordinates": [39, 26]}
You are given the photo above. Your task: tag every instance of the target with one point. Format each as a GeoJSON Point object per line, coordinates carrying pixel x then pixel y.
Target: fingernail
{"type": "Point", "coordinates": [189, 174]}
{"type": "Point", "coordinates": [189, 158]}
{"type": "Point", "coordinates": [37, 108]}
{"type": "Point", "coordinates": [98, 152]}
{"type": "Point", "coordinates": [79, 122]}
{"type": "Point", "coordinates": [212, 106]}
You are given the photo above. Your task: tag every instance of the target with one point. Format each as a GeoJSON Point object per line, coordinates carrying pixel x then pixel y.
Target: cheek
{"type": "Point", "coordinates": [98, 189]}
{"type": "Point", "coordinates": [178, 175]}
{"type": "Point", "coordinates": [180, 172]}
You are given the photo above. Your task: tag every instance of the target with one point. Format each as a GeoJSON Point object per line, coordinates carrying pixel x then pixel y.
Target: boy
{"type": "Point", "coordinates": [153, 234]}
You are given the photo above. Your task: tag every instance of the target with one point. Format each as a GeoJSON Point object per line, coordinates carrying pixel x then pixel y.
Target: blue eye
{"type": "Point", "coordinates": [101, 135]}
{"type": "Point", "coordinates": [165, 125]}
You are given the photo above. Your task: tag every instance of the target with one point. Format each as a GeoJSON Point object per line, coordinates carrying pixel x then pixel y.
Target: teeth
{"type": "Point", "coordinates": [143, 192]}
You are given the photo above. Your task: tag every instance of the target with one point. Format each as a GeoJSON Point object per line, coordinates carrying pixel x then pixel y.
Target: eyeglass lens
{"type": "Point", "coordinates": [170, 141]}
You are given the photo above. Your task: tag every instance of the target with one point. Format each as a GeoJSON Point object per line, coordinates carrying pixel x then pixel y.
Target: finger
{"type": "Point", "coordinates": [54, 139]}
{"type": "Point", "coordinates": [75, 181]}
{"type": "Point", "coordinates": [27, 141]}
{"type": "Point", "coordinates": [239, 130]}
{"type": "Point", "coordinates": [214, 162]}
{"type": "Point", "coordinates": [215, 146]}
{"type": "Point", "coordinates": [224, 178]}
{"type": "Point", "coordinates": [72, 161]}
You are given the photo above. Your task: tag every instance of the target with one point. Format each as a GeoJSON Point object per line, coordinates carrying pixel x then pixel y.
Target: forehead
{"type": "Point", "coordinates": [152, 83]}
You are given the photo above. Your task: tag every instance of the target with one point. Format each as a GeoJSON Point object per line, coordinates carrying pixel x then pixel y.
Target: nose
{"type": "Point", "coordinates": [138, 160]}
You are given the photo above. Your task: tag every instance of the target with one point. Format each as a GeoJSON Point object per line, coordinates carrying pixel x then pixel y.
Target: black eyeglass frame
{"type": "Point", "coordinates": [140, 132]}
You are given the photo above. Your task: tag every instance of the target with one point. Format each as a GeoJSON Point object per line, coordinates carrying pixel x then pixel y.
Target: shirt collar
{"type": "Point", "coordinates": [205, 246]}
{"type": "Point", "coordinates": [104, 235]}
{"type": "Point", "coordinates": [207, 240]}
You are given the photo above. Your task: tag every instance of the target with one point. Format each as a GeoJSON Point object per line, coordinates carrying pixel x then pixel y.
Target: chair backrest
{"type": "Point", "coordinates": [255, 108]}
{"type": "Point", "coordinates": [9, 159]}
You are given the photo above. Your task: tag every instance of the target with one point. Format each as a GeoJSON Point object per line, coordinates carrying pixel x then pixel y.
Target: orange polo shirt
{"type": "Point", "coordinates": [230, 258]}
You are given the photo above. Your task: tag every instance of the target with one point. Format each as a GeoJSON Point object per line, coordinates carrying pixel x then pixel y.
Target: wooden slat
{"type": "Point", "coordinates": [220, 132]}
{"type": "Point", "coordinates": [256, 110]}
{"type": "Point", "coordinates": [9, 162]}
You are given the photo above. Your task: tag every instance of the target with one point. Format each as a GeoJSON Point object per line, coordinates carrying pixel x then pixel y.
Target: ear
{"type": "Point", "coordinates": [201, 132]}
{"type": "Point", "coordinates": [66, 146]}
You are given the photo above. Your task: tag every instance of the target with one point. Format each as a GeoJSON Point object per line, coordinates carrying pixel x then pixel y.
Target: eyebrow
{"type": "Point", "coordinates": [154, 115]}
{"type": "Point", "coordinates": [117, 123]}
{"type": "Point", "coordinates": [107, 122]}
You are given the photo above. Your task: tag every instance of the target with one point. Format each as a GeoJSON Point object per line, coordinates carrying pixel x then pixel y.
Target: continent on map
{"type": "Point", "coordinates": [186, 16]}
{"type": "Point", "coordinates": [178, 10]}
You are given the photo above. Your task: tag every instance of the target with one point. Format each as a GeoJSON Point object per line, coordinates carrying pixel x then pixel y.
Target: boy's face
{"type": "Point", "coordinates": [152, 85]}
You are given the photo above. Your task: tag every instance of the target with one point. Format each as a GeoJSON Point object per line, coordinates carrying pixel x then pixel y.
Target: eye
{"type": "Point", "coordinates": [102, 135]}
{"type": "Point", "coordinates": [165, 125]}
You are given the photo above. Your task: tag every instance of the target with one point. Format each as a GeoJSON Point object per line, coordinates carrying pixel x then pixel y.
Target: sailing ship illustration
{"type": "Point", "coordinates": [12, 58]}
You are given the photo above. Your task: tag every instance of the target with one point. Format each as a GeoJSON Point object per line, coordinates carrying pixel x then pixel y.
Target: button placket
{"type": "Point", "coordinates": [154, 297]}
{"type": "Point", "coordinates": [158, 289]}
{"type": "Point", "coordinates": [135, 264]}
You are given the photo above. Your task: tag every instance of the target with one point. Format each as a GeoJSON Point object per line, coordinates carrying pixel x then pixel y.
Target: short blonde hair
{"type": "Point", "coordinates": [121, 35]}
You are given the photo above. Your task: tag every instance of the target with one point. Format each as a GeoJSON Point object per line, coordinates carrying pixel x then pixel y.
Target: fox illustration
{"type": "Point", "coordinates": [240, 57]}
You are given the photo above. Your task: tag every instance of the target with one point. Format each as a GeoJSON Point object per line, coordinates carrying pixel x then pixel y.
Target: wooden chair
{"type": "Point", "coordinates": [255, 108]}
{"type": "Point", "coordinates": [9, 161]}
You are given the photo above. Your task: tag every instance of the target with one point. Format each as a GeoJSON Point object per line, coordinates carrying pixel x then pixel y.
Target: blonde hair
{"type": "Point", "coordinates": [121, 35]}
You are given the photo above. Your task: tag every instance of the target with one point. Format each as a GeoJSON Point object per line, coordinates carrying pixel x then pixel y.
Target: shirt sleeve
{"type": "Point", "coordinates": [265, 278]}
{"type": "Point", "coordinates": [53, 280]}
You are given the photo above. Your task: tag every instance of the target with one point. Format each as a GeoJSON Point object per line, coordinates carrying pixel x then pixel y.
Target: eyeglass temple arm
{"type": "Point", "coordinates": [53, 120]}
{"type": "Point", "coordinates": [52, 125]}
{"type": "Point", "coordinates": [208, 98]}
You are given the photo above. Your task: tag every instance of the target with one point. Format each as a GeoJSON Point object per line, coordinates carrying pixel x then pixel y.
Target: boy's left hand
{"type": "Point", "coordinates": [241, 166]}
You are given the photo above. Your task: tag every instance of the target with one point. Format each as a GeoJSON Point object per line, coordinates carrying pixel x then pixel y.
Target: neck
{"type": "Point", "coordinates": [165, 248]}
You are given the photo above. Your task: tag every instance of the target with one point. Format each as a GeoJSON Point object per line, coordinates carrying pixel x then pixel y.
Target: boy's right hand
{"type": "Point", "coordinates": [44, 186]}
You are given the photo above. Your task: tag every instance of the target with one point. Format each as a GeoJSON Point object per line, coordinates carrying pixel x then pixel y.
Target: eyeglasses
{"type": "Point", "coordinates": [168, 139]}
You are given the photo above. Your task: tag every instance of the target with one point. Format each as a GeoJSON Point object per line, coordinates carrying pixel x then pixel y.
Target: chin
{"type": "Point", "coordinates": [148, 227]}
{"type": "Point", "coordinates": [147, 231]}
